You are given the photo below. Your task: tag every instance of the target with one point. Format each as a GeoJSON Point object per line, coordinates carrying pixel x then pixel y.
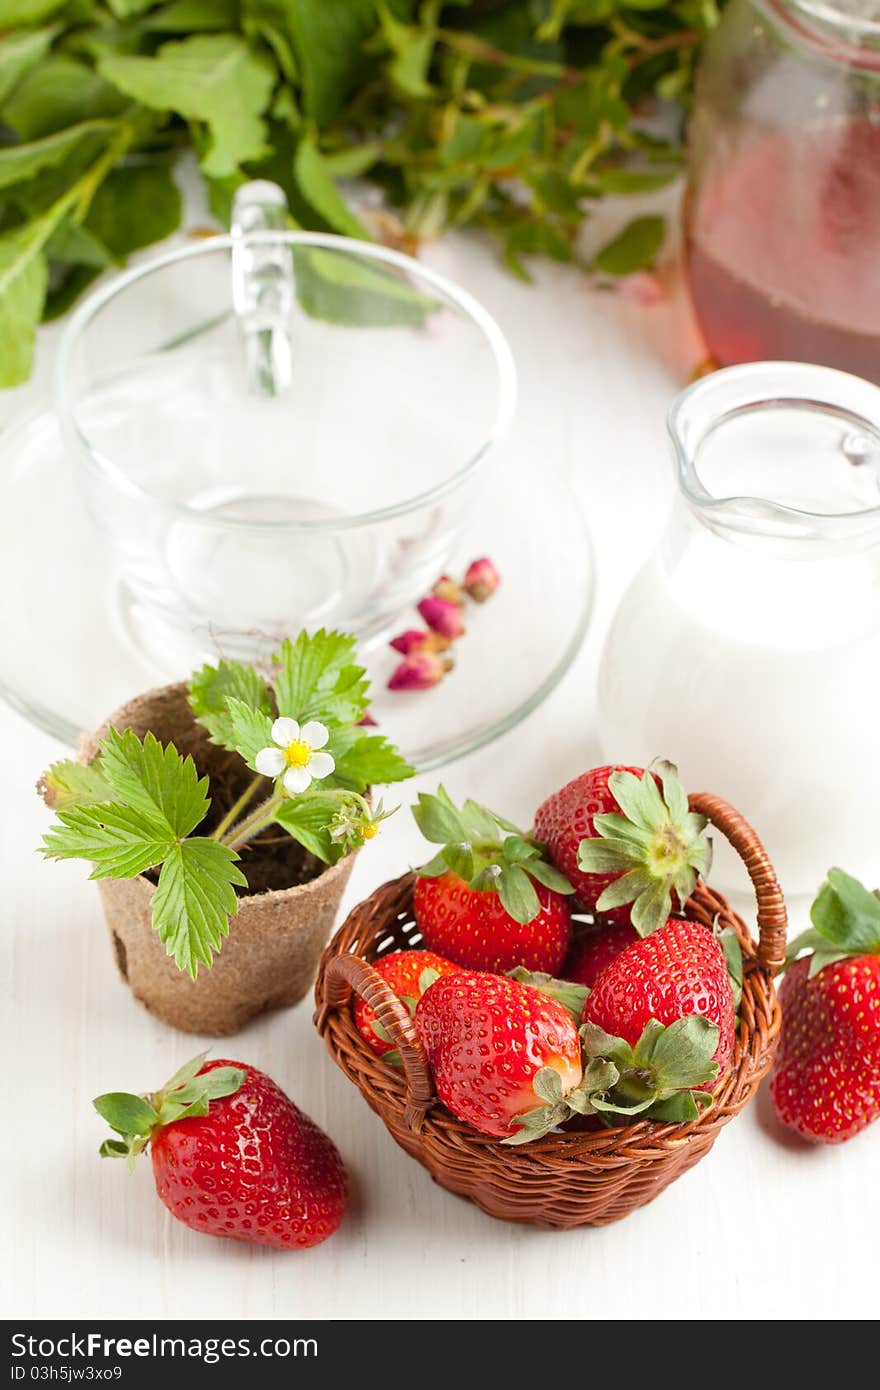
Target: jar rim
{"type": "Point", "coordinates": [843, 31]}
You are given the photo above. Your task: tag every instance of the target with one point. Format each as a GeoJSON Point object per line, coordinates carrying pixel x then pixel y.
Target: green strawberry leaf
{"type": "Point", "coordinates": [460, 859]}
{"type": "Point", "coordinates": [155, 782]}
{"type": "Point", "coordinates": [194, 901]}
{"type": "Point", "coordinates": [117, 840]}
{"type": "Point", "coordinates": [733, 956]}
{"type": "Point", "coordinates": [438, 818]}
{"type": "Point", "coordinates": [682, 1108]}
{"type": "Point", "coordinates": [317, 677]}
{"type": "Point", "coordinates": [517, 894]}
{"type": "Point", "coordinates": [125, 1113]}
{"type": "Point", "coordinates": [70, 783]}
{"type": "Point", "coordinates": [370, 761]}
{"type": "Point", "coordinates": [571, 996]}
{"type": "Point", "coordinates": [549, 876]}
{"type": "Point", "coordinates": [212, 686]}
{"type": "Point", "coordinates": [251, 730]}
{"type": "Point", "coordinates": [307, 818]}
{"type": "Point", "coordinates": [846, 915]}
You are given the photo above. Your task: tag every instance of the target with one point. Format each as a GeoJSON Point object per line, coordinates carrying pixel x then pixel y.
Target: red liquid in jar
{"type": "Point", "coordinates": [784, 250]}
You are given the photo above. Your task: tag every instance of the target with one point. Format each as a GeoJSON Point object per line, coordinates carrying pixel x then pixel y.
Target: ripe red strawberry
{"type": "Point", "coordinates": [499, 1052]}
{"type": "Point", "coordinates": [677, 972]}
{"type": "Point", "coordinates": [404, 971]}
{"type": "Point", "coordinates": [826, 1077]}
{"type": "Point", "coordinates": [626, 841]}
{"type": "Point", "coordinates": [595, 949]}
{"type": "Point", "coordinates": [232, 1155]}
{"type": "Point", "coordinates": [488, 899]}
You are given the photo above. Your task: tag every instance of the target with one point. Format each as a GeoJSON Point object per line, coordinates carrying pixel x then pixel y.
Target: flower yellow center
{"type": "Point", "coordinates": [297, 754]}
{"type": "Point", "coordinates": [370, 831]}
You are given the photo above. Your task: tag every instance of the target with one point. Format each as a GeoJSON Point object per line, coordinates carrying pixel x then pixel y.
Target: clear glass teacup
{"type": "Point", "coordinates": [277, 430]}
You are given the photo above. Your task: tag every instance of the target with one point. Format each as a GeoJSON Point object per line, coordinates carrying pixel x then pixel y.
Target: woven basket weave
{"type": "Point", "coordinates": [566, 1179]}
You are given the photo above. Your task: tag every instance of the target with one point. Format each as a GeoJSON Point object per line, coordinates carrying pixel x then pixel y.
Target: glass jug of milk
{"type": "Point", "coordinates": [748, 648]}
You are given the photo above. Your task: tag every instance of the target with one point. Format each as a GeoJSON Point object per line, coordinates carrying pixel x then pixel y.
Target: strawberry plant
{"type": "Point", "coordinates": [306, 764]}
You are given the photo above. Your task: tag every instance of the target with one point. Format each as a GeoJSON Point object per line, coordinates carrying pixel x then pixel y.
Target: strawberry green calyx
{"type": "Point", "coordinates": [490, 853]}
{"type": "Point", "coordinates": [137, 1118]}
{"type": "Point", "coordinates": [663, 1076]}
{"type": "Point", "coordinates": [846, 922]}
{"type": "Point", "coordinates": [656, 844]}
{"type": "Point", "coordinates": [572, 997]}
{"type": "Point", "coordinates": [599, 1077]}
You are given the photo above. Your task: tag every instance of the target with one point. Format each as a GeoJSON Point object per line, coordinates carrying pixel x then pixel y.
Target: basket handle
{"type": "Point", "coordinates": [347, 972]}
{"type": "Point", "coordinates": [772, 915]}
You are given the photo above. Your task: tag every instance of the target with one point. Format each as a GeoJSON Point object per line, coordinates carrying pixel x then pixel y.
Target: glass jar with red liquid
{"type": "Point", "coordinates": [782, 212]}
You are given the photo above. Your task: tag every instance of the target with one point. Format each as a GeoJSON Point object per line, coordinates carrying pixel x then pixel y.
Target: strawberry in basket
{"type": "Point", "coordinates": [488, 899]}
{"type": "Point", "coordinates": [409, 973]}
{"type": "Point", "coordinates": [627, 842]}
{"type": "Point", "coordinates": [826, 1078]}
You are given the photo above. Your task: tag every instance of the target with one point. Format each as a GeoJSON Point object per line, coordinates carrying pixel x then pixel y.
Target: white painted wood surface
{"type": "Point", "coordinates": [760, 1229]}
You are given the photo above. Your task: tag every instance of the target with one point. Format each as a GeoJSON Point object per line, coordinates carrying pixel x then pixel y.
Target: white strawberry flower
{"type": "Point", "coordinates": [295, 754]}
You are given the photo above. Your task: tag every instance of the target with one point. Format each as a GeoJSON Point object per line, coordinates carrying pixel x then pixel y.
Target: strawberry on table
{"type": "Point", "coordinates": [409, 974]}
{"type": "Point", "coordinates": [825, 1083]}
{"type": "Point", "coordinates": [505, 1058]}
{"type": "Point", "coordinates": [488, 899]}
{"type": "Point", "coordinates": [626, 841]}
{"type": "Point", "coordinates": [232, 1155]}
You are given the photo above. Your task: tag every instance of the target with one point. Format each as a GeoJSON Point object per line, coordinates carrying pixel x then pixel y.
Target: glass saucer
{"type": "Point", "coordinates": [71, 653]}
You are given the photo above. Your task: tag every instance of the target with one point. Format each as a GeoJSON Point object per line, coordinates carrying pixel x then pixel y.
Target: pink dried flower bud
{"type": "Point", "coordinates": [481, 580]}
{"type": "Point", "coordinates": [449, 589]}
{"type": "Point", "coordinates": [408, 641]}
{"type": "Point", "coordinates": [367, 721]}
{"type": "Point", "coordinates": [642, 287]}
{"type": "Point", "coordinates": [442, 616]}
{"type": "Point", "coordinates": [419, 672]}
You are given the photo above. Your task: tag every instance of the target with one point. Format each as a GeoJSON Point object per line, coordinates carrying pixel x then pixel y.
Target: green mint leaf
{"type": "Point", "coordinates": [328, 38]}
{"type": "Point", "coordinates": [318, 677]}
{"type": "Point", "coordinates": [70, 783]}
{"type": "Point", "coordinates": [135, 206]}
{"type": "Point", "coordinates": [318, 188]}
{"type": "Point", "coordinates": [61, 92]}
{"type": "Point", "coordinates": [517, 894]}
{"type": "Point", "coordinates": [251, 730]}
{"type": "Point", "coordinates": [216, 79]}
{"type": "Point", "coordinates": [194, 901]}
{"type": "Point", "coordinates": [338, 288]}
{"type": "Point", "coordinates": [307, 818]}
{"type": "Point", "coordinates": [847, 915]}
{"type": "Point", "coordinates": [125, 1113]}
{"type": "Point", "coordinates": [24, 161]}
{"type": "Point", "coordinates": [117, 840]}
{"type": "Point", "coordinates": [156, 782]}
{"type": "Point", "coordinates": [210, 689]}
{"type": "Point", "coordinates": [74, 245]}
{"type": "Point", "coordinates": [192, 16]}
{"type": "Point", "coordinates": [19, 52]}
{"type": "Point", "coordinates": [637, 246]}
{"type": "Point", "coordinates": [370, 761]}
{"type": "Point", "coordinates": [24, 277]}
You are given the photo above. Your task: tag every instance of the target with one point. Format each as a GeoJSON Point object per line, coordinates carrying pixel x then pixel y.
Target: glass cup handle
{"type": "Point", "coordinates": [263, 286]}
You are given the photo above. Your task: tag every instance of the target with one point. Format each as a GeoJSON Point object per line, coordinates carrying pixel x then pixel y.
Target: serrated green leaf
{"type": "Point", "coordinates": [318, 187]}
{"type": "Point", "coordinates": [213, 78]}
{"type": "Point", "coordinates": [156, 782]}
{"type": "Point", "coordinates": [371, 761]}
{"type": "Point", "coordinates": [210, 689]}
{"type": "Point", "coordinates": [636, 247]}
{"type": "Point", "coordinates": [517, 894]}
{"type": "Point", "coordinates": [69, 783]}
{"type": "Point", "coordinates": [194, 901]}
{"type": "Point", "coordinates": [125, 1113]}
{"type": "Point", "coordinates": [117, 840]}
{"type": "Point", "coordinates": [251, 730]}
{"type": "Point", "coordinates": [317, 677]}
{"type": "Point", "coordinates": [307, 818]}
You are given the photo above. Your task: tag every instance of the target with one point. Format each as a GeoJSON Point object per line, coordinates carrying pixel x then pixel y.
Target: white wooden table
{"type": "Point", "coordinates": [759, 1229]}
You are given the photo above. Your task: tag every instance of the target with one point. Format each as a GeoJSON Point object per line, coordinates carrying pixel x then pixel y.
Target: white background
{"type": "Point", "coordinates": [762, 1228]}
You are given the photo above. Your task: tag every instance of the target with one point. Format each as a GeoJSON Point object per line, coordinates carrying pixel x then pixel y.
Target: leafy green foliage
{"type": "Point", "coordinates": [846, 922]}
{"type": "Point", "coordinates": [195, 899]}
{"type": "Point", "coordinates": [514, 116]}
{"type": "Point", "coordinates": [212, 686]}
{"type": "Point", "coordinates": [488, 852]}
{"type": "Point", "coordinates": [137, 1118]}
{"type": "Point", "coordinates": [317, 677]}
{"type": "Point", "coordinates": [660, 1078]}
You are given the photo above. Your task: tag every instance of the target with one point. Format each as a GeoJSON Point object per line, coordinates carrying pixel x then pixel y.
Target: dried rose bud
{"type": "Point", "coordinates": [409, 641]}
{"type": "Point", "coordinates": [448, 588]}
{"type": "Point", "coordinates": [442, 616]}
{"type": "Point", "coordinates": [642, 287]}
{"type": "Point", "coordinates": [481, 580]}
{"type": "Point", "coordinates": [434, 642]}
{"type": "Point", "coordinates": [367, 721]}
{"type": "Point", "coordinates": [419, 672]}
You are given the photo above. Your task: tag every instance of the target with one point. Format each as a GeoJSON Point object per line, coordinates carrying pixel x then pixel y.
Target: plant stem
{"type": "Point", "coordinates": [254, 823]}
{"type": "Point", "coordinates": [236, 810]}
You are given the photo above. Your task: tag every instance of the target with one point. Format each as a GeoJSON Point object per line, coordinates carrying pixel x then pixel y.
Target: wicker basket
{"type": "Point", "coordinates": [566, 1179]}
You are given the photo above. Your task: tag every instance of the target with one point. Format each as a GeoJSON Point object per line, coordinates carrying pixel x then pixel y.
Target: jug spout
{"type": "Point", "coordinates": [781, 450]}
